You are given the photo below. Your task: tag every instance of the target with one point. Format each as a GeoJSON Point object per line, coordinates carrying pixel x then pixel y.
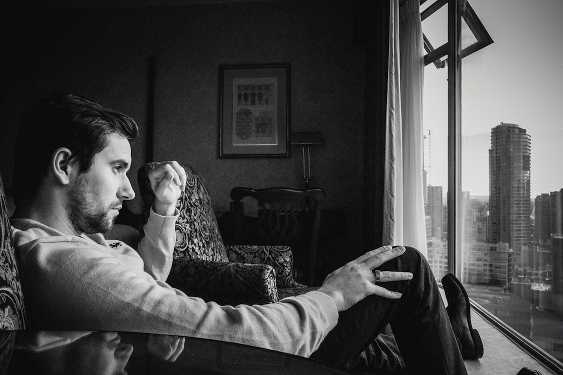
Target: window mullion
{"type": "Point", "coordinates": [455, 8]}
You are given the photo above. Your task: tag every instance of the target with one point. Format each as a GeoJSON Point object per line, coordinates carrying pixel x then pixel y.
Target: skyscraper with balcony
{"type": "Point", "coordinates": [509, 189]}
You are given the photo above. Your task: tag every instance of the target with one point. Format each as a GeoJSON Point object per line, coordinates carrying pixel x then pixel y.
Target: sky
{"type": "Point", "coordinates": [517, 79]}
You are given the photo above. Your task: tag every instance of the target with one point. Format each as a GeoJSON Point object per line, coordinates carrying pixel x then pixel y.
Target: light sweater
{"type": "Point", "coordinates": [89, 283]}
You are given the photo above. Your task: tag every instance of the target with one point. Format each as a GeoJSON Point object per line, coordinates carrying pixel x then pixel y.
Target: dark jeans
{"type": "Point", "coordinates": [419, 321]}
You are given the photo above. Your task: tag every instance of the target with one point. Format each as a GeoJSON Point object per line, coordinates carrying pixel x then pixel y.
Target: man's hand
{"type": "Point", "coordinates": [168, 180]}
{"type": "Point", "coordinates": [355, 280]}
{"type": "Point", "coordinates": [166, 347]}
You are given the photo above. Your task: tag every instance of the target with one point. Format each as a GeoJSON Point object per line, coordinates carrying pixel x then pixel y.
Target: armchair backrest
{"type": "Point", "coordinates": [12, 310]}
{"type": "Point", "coordinates": [286, 216]}
{"type": "Point", "coordinates": [197, 232]}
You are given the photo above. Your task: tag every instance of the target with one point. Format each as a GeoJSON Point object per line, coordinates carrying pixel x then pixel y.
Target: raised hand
{"type": "Point", "coordinates": [356, 279]}
{"type": "Point", "coordinates": [168, 180]}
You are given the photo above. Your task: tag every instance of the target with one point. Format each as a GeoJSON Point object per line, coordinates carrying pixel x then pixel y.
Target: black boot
{"type": "Point", "coordinates": [458, 309]}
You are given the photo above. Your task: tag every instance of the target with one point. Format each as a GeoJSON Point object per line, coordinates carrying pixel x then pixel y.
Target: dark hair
{"type": "Point", "coordinates": [63, 120]}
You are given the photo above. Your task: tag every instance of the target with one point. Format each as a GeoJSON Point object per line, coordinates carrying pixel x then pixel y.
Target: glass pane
{"type": "Point", "coordinates": [435, 27]}
{"type": "Point", "coordinates": [435, 166]}
{"type": "Point", "coordinates": [426, 4]}
{"type": "Point", "coordinates": [511, 153]}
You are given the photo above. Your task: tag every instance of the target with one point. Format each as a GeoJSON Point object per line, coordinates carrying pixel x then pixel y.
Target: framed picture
{"type": "Point", "coordinates": [253, 110]}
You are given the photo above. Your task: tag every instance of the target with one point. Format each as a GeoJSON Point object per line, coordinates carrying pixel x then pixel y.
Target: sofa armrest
{"type": "Point", "coordinates": [277, 256]}
{"type": "Point", "coordinates": [224, 282]}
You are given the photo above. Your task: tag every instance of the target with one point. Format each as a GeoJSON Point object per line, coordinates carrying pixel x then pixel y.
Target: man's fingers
{"type": "Point", "coordinates": [169, 170]}
{"type": "Point", "coordinates": [172, 175]}
{"type": "Point", "coordinates": [172, 347]}
{"type": "Point", "coordinates": [385, 276]}
{"type": "Point", "coordinates": [157, 171]}
{"type": "Point", "coordinates": [380, 258]}
{"type": "Point", "coordinates": [374, 252]}
{"type": "Point", "coordinates": [385, 293]}
{"type": "Point", "coordinates": [179, 349]}
{"type": "Point", "coordinates": [180, 172]}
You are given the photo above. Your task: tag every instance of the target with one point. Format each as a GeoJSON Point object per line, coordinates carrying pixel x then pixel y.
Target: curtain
{"type": "Point", "coordinates": [403, 200]}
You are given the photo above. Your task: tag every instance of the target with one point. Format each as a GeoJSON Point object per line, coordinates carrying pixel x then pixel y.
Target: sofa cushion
{"type": "Point", "coordinates": [225, 283]}
{"type": "Point", "coordinates": [279, 257]}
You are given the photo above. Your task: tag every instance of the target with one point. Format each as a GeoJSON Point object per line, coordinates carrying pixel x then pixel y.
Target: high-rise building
{"type": "Point", "coordinates": [485, 263]}
{"type": "Point", "coordinates": [542, 217]}
{"type": "Point", "coordinates": [557, 283]}
{"type": "Point", "coordinates": [509, 189]}
{"type": "Point", "coordinates": [555, 205]}
{"type": "Point", "coordinates": [438, 257]}
{"type": "Point", "coordinates": [435, 209]}
{"type": "Point", "coordinates": [501, 266]}
{"type": "Point", "coordinates": [475, 218]}
{"type": "Point", "coordinates": [557, 252]}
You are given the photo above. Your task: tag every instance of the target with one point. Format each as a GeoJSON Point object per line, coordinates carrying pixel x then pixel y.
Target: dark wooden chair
{"type": "Point", "coordinates": [286, 216]}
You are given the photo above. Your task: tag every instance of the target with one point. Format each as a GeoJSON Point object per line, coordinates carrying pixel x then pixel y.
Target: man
{"type": "Point", "coordinates": [71, 190]}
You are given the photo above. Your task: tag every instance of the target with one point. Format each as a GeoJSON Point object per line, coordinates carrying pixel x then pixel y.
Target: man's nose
{"type": "Point", "coordinates": [126, 192]}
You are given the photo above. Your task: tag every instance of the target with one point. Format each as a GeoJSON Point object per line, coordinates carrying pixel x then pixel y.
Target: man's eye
{"type": "Point", "coordinates": [118, 168]}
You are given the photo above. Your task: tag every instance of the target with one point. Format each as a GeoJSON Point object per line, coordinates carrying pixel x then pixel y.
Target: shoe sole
{"type": "Point", "coordinates": [479, 349]}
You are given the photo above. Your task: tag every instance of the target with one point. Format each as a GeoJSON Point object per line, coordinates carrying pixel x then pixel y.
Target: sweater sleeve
{"type": "Point", "coordinates": [157, 246]}
{"type": "Point", "coordinates": [76, 287]}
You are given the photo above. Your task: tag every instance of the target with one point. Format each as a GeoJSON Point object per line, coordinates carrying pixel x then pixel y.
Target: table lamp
{"type": "Point", "coordinates": [305, 140]}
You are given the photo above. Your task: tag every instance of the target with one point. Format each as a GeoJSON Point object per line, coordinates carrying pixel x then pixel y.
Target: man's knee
{"type": "Point", "coordinates": [411, 252]}
{"type": "Point", "coordinates": [412, 260]}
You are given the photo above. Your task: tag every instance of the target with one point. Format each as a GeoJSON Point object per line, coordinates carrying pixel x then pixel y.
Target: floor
{"type": "Point", "coordinates": [501, 356]}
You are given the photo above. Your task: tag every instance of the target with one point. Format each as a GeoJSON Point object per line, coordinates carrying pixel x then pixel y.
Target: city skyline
{"type": "Point", "coordinates": [511, 264]}
{"type": "Point", "coordinates": [517, 79]}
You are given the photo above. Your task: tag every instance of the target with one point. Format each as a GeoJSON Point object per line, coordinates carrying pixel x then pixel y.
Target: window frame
{"type": "Point", "coordinates": [482, 36]}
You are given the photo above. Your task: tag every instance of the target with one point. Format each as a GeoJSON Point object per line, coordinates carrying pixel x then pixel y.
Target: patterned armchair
{"type": "Point", "coordinates": [203, 266]}
{"type": "Point", "coordinates": [12, 310]}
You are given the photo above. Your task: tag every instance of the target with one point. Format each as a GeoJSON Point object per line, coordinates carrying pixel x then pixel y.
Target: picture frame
{"type": "Point", "coordinates": [254, 111]}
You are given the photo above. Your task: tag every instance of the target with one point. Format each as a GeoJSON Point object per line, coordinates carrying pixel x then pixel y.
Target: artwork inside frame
{"type": "Point", "coordinates": [254, 113]}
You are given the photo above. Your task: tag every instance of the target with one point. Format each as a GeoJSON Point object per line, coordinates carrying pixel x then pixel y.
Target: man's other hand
{"type": "Point", "coordinates": [166, 347]}
{"type": "Point", "coordinates": [356, 280]}
{"type": "Point", "coordinates": [168, 180]}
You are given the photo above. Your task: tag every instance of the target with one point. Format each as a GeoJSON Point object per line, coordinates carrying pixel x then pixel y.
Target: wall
{"type": "Point", "coordinates": [103, 54]}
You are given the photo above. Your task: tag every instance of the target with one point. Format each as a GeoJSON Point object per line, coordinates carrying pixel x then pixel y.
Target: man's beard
{"type": "Point", "coordinates": [82, 211]}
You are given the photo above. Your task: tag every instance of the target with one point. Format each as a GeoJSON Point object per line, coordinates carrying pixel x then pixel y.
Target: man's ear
{"type": "Point", "coordinates": [62, 166]}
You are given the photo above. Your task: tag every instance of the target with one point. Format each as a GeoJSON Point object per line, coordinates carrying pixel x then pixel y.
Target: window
{"type": "Point", "coordinates": [508, 217]}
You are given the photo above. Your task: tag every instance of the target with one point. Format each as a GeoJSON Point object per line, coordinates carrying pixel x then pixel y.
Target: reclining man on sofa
{"type": "Point", "coordinates": [70, 191]}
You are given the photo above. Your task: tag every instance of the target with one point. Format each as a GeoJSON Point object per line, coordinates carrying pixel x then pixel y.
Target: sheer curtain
{"type": "Point", "coordinates": [403, 205]}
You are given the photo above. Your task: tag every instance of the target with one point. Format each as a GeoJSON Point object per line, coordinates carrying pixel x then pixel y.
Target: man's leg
{"type": "Point", "coordinates": [419, 321]}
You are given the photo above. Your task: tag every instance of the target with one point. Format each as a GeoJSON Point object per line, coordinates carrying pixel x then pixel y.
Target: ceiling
{"type": "Point", "coordinates": [141, 3]}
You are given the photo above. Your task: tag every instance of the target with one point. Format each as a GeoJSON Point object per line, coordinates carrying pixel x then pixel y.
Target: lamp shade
{"type": "Point", "coordinates": [307, 138]}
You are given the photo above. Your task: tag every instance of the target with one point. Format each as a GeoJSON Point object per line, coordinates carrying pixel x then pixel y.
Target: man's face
{"type": "Point", "coordinates": [96, 196]}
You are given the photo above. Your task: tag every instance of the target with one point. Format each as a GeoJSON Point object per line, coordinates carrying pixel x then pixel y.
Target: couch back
{"type": "Point", "coordinates": [197, 232]}
{"type": "Point", "coordinates": [12, 310]}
